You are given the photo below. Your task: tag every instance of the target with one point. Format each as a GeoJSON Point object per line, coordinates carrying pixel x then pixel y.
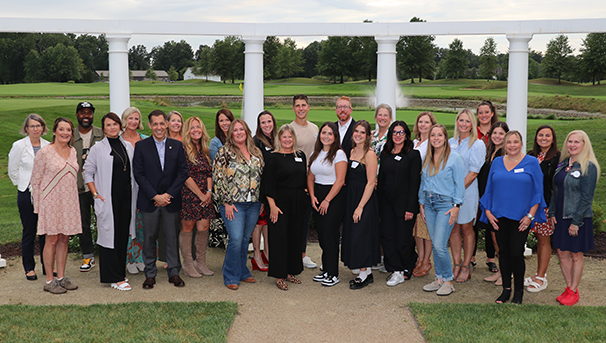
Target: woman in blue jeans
{"type": "Point", "coordinates": [237, 171]}
{"type": "Point", "coordinates": [440, 197]}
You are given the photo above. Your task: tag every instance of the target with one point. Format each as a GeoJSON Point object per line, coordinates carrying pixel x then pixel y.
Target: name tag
{"type": "Point", "coordinates": [576, 174]}
{"type": "Point", "coordinates": [298, 159]}
{"type": "Point", "coordinates": [397, 157]}
{"type": "Point", "coordinates": [354, 164]}
{"type": "Point", "coordinates": [267, 148]}
{"type": "Point", "coordinates": [315, 136]}
{"type": "Point", "coordinates": [519, 170]}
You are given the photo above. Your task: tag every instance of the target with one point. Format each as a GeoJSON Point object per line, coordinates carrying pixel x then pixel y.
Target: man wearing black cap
{"type": "Point", "coordinates": [84, 138]}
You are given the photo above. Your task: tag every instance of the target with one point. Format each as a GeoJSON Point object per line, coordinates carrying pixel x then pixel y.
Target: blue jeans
{"type": "Point", "coordinates": [239, 230]}
{"type": "Point", "coordinates": [436, 207]}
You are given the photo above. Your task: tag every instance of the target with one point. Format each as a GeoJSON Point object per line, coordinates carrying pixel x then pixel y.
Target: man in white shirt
{"type": "Point", "coordinates": [307, 134]}
{"type": "Point", "coordinates": [345, 123]}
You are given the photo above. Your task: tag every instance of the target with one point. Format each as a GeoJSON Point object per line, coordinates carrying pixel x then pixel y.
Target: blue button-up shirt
{"type": "Point", "coordinates": [161, 147]}
{"type": "Point", "coordinates": [449, 181]}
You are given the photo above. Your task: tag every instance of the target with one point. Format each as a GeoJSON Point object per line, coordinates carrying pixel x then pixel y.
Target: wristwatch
{"type": "Point", "coordinates": [457, 205]}
{"type": "Point", "coordinates": [530, 216]}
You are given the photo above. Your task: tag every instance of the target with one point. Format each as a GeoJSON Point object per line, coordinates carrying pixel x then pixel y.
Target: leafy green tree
{"type": "Point", "coordinates": [271, 48]}
{"type": "Point", "coordinates": [335, 58]}
{"type": "Point", "coordinates": [228, 58]}
{"type": "Point", "coordinates": [289, 59]}
{"type": "Point", "coordinates": [310, 59]}
{"type": "Point", "coordinates": [203, 65]}
{"type": "Point", "coordinates": [173, 54]}
{"type": "Point", "coordinates": [33, 69]}
{"type": "Point", "coordinates": [364, 54]}
{"type": "Point", "coordinates": [557, 60]}
{"type": "Point", "coordinates": [138, 58]}
{"type": "Point", "coordinates": [173, 75]}
{"type": "Point", "coordinates": [151, 74]}
{"type": "Point", "coordinates": [593, 56]}
{"type": "Point", "coordinates": [415, 54]}
{"type": "Point", "coordinates": [488, 57]}
{"type": "Point", "coordinates": [94, 54]}
{"type": "Point", "coordinates": [456, 61]}
{"type": "Point", "coordinates": [62, 63]}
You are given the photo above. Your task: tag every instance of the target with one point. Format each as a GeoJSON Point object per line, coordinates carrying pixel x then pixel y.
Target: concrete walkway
{"type": "Point", "coordinates": [305, 313]}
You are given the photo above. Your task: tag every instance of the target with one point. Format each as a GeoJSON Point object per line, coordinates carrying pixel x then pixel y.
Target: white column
{"type": "Point", "coordinates": [386, 71]}
{"type": "Point", "coordinates": [252, 101]}
{"type": "Point", "coordinates": [517, 83]}
{"type": "Point", "coordinates": [119, 87]}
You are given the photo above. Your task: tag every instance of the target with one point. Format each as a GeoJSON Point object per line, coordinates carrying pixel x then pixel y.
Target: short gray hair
{"type": "Point", "coordinates": [36, 117]}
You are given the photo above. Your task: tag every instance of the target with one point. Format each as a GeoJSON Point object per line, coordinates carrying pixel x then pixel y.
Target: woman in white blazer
{"type": "Point", "coordinates": [20, 165]}
{"type": "Point", "coordinates": [108, 173]}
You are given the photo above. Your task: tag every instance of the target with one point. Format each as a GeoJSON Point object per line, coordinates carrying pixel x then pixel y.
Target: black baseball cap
{"type": "Point", "coordinates": [85, 104]}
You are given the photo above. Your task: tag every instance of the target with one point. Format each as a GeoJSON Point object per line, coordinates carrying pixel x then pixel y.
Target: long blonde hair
{"type": "Point", "coordinates": [230, 144]}
{"type": "Point", "coordinates": [585, 156]}
{"type": "Point", "coordinates": [190, 148]}
{"type": "Point", "coordinates": [432, 168]}
{"type": "Point", "coordinates": [473, 133]}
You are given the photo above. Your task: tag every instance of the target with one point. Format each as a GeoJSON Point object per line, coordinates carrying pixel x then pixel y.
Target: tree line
{"type": "Point", "coordinates": [35, 57]}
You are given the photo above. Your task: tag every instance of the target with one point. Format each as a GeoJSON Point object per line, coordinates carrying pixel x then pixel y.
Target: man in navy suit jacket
{"type": "Point", "coordinates": [345, 123]}
{"type": "Point", "coordinates": [160, 168]}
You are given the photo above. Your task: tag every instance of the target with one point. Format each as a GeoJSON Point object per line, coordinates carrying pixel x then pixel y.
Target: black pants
{"type": "Point", "coordinates": [86, 237]}
{"type": "Point", "coordinates": [329, 228]}
{"type": "Point", "coordinates": [29, 220]}
{"type": "Point", "coordinates": [489, 244]}
{"type": "Point", "coordinates": [511, 252]}
{"type": "Point", "coordinates": [396, 238]}
{"type": "Point", "coordinates": [285, 234]}
{"type": "Point", "coordinates": [113, 261]}
{"type": "Point", "coordinates": [306, 224]}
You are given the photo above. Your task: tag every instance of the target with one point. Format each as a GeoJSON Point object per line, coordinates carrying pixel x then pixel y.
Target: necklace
{"type": "Point", "coordinates": [123, 161]}
{"type": "Point", "coordinates": [517, 159]}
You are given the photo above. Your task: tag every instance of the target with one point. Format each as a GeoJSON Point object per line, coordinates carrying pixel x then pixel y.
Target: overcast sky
{"type": "Point", "coordinates": [306, 11]}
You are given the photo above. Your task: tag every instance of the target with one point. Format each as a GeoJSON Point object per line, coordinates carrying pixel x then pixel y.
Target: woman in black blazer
{"type": "Point", "coordinates": [398, 187]}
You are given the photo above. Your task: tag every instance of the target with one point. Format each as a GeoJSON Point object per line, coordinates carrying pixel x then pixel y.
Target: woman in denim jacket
{"type": "Point", "coordinates": [574, 184]}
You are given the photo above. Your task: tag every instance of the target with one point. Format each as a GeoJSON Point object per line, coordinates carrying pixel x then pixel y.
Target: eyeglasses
{"type": "Point", "coordinates": [35, 126]}
{"type": "Point", "coordinates": [345, 107]}
{"type": "Point", "coordinates": [399, 133]}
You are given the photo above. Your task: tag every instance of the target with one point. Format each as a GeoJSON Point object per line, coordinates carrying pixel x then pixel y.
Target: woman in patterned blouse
{"type": "Point", "coordinates": [237, 171]}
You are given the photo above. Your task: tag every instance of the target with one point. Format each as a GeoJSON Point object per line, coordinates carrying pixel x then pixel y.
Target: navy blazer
{"type": "Point", "coordinates": [346, 145]}
{"type": "Point", "coordinates": [150, 177]}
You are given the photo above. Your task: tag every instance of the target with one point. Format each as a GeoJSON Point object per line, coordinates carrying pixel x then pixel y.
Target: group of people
{"type": "Point", "coordinates": [389, 189]}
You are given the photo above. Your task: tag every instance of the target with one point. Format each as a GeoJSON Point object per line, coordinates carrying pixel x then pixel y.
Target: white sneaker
{"type": "Point", "coordinates": [396, 278]}
{"type": "Point", "coordinates": [321, 277]}
{"type": "Point", "coordinates": [132, 268]}
{"type": "Point", "coordinates": [308, 263]}
{"type": "Point", "coordinates": [330, 281]}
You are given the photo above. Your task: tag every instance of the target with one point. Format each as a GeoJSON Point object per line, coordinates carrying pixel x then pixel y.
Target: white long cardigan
{"type": "Point", "coordinates": [98, 168]}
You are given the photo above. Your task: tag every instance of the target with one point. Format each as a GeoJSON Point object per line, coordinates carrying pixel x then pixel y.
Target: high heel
{"type": "Point", "coordinates": [464, 279]}
{"type": "Point", "coordinates": [504, 297]}
{"type": "Point", "coordinates": [256, 266]}
{"type": "Point", "coordinates": [265, 259]}
{"type": "Point", "coordinates": [455, 275]}
{"type": "Point", "coordinates": [517, 297]}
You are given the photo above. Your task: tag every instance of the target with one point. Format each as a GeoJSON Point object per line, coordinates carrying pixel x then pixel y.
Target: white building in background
{"type": "Point", "coordinates": [189, 75]}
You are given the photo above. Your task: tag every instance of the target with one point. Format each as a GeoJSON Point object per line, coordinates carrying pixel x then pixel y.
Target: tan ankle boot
{"type": "Point", "coordinates": [201, 245]}
{"type": "Point", "coordinates": [188, 262]}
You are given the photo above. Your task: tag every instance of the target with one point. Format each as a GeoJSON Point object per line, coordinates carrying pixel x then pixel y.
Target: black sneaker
{"type": "Point", "coordinates": [330, 281]}
{"type": "Point", "coordinates": [321, 277]}
{"type": "Point", "coordinates": [87, 264]}
{"type": "Point", "coordinates": [407, 274]}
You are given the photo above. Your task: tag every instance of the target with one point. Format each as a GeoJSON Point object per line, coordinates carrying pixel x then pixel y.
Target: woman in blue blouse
{"type": "Point", "coordinates": [223, 120]}
{"type": "Point", "coordinates": [570, 211]}
{"type": "Point", "coordinates": [466, 143]}
{"type": "Point", "coordinates": [440, 198]}
{"type": "Point", "coordinates": [512, 213]}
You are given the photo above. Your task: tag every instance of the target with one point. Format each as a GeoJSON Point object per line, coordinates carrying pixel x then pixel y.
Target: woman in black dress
{"type": "Point", "coordinates": [398, 187]}
{"type": "Point", "coordinates": [197, 207]}
{"type": "Point", "coordinates": [360, 246]}
{"type": "Point", "coordinates": [284, 183]}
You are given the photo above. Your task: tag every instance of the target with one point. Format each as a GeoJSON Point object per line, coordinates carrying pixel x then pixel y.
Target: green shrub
{"type": "Point", "coordinates": [598, 217]}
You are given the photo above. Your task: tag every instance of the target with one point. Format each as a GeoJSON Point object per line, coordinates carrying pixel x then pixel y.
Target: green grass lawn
{"type": "Point", "coordinates": [510, 323]}
{"type": "Point", "coordinates": [126, 322]}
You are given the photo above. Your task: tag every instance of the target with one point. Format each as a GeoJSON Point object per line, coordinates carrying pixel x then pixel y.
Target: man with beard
{"type": "Point", "coordinates": [84, 138]}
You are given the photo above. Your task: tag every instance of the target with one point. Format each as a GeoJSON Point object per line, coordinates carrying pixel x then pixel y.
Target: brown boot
{"type": "Point", "coordinates": [201, 245]}
{"type": "Point", "coordinates": [188, 262]}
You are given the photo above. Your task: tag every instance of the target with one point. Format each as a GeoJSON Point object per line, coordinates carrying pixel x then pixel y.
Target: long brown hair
{"type": "Point", "coordinates": [261, 136]}
{"type": "Point", "coordinates": [230, 144]}
{"type": "Point", "coordinates": [493, 109]}
{"type": "Point", "coordinates": [190, 147]}
{"type": "Point", "coordinates": [218, 132]}
{"type": "Point", "coordinates": [389, 144]}
{"type": "Point", "coordinates": [368, 139]}
{"type": "Point", "coordinates": [415, 129]}
{"type": "Point", "coordinates": [334, 147]}
{"type": "Point", "coordinates": [429, 162]}
{"type": "Point", "coordinates": [553, 149]}
{"type": "Point", "coordinates": [490, 148]}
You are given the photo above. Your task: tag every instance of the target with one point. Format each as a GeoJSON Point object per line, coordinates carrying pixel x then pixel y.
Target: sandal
{"type": "Point", "coordinates": [455, 267]}
{"type": "Point", "coordinates": [534, 287]}
{"type": "Point", "coordinates": [529, 280]}
{"type": "Point", "coordinates": [493, 278]}
{"type": "Point", "coordinates": [460, 279]}
{"type": "Point", "coordinates": [282, 284]}
{"type": "Point", "coordinates": [122, 287]}
{"type": "Point", "coordinates": [504, 297]}
{"type": "Point", "coordinates": [293, 279]}
{"type": "Point", "coordinates": [492, 267]}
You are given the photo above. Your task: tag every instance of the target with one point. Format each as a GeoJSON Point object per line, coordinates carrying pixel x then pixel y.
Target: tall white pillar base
{"type": "Point", "coordinates": [252, 101]}
{"type": "Point", "coordinates": [119, 87]}
{"type": "Point", "coordinates": [517, 84]}
{"type": "Point", "coordinates": [386, 71]}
